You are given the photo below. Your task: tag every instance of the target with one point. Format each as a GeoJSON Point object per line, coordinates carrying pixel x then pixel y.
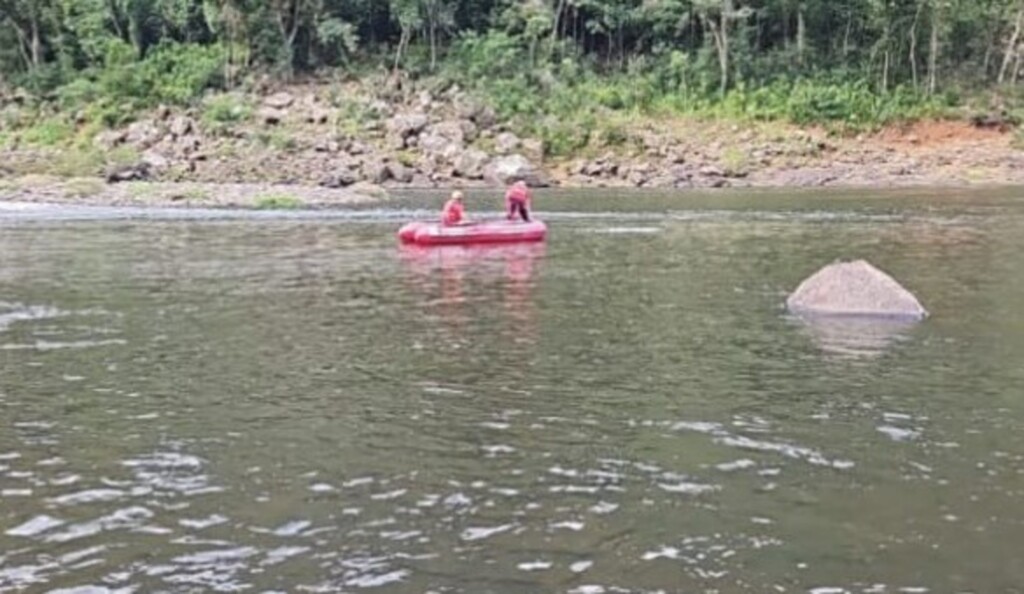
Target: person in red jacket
{"type": "Point", "coordinates": [454, 212]}
{"type": "Point", "coordinates": [517, 201]}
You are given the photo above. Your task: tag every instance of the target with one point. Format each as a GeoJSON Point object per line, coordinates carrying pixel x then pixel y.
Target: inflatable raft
{"type": "Point", "coordinates": [428, 233]}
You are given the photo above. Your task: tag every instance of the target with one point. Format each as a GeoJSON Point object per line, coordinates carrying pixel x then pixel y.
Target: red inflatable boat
{"type": "Point", "coordinates": [427, 233]}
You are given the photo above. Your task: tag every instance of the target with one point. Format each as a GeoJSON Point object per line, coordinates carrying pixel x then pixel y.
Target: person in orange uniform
{"type": "Point", "coordinates": [454, 212]}
{"type": "Point", "coordinates": [517, 201]}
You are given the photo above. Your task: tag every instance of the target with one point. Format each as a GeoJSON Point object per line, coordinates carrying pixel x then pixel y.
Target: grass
{"type": "Point", "coordinates": [278, 202]}
{"type": "Point", "coordinates": [735, 161]}
{"type": "Point", "coordinates": [48, 132]}
{"type": "Point", "coordinates": [83, 187]}
{"type": "Point", "coordinates": [278, 140]}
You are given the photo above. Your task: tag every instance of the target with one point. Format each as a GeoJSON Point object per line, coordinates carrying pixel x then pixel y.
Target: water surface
{"type": "Point", "coordinates": [221, 402]}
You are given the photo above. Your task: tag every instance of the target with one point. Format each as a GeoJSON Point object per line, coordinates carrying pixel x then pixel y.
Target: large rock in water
{"type": "Point", "coordinates": [854, 289]}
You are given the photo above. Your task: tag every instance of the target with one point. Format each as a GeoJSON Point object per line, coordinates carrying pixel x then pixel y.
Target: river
{"type": "Point", "coordinates": [200, 401]}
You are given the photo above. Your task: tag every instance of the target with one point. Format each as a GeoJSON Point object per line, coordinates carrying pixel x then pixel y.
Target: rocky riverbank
{"type": "Point", "coordinates": [318, 140]}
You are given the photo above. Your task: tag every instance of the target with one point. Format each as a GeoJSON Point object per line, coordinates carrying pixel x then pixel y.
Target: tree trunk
{"type": "Point", "coordinates": [846, 38]}
{"type": "Point", "coordinates": [36, 42]}
{"type": "Point", "coordinates": [433, 44]}
{"type": "Point", "coordinates": [885, 71]}
{"type": "Point", "coordinates": [721, 40]}
{"type": "Point", "coordinates": [913, 45]}
{"type": "Point", "coordinates": [1011, 47]}
{"type": "Point", "coordinates": [557, 24]}
{"type": "Point", "coordinates": [933, 48]}
{"type": "Point", "coordinates": [801, 33]}
{"type": "Point", "coordinates": [403, 42]}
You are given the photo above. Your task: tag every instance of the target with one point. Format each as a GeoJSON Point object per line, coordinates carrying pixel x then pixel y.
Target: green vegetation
{"type": "Point", "coordinates": [278, 202]}
{"type": "Point", "coordinates": [554, 67]}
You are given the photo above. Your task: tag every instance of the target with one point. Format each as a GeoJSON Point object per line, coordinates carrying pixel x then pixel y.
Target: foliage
{"type": "Point", "coordinates": [278, 202]}
{"type": "Point", "coordinates": [856, 63]}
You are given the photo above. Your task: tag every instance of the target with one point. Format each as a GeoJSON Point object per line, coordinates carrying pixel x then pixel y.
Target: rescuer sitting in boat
{"type": "Point", "coordinates": [454, 212]}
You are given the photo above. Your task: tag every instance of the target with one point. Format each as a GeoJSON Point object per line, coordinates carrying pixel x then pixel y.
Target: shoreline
{"type": "Point", "coordinates": [93, 192]}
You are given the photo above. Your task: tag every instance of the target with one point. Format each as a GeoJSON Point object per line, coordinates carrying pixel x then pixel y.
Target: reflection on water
{"type": "Point", "coordinates": [856, 337]}
{"type": "Point", "coordinates": [302, 406]}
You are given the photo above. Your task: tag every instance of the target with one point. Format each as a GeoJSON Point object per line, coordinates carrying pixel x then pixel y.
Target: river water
{"type": "Point", "coordinates": [224, 402]}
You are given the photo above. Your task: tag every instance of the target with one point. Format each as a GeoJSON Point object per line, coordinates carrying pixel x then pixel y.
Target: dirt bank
{"type": "Point", "coordinates": [304, 145]}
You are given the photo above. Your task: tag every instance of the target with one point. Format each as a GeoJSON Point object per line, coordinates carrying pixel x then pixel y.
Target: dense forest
{"type": "Point", "coordinates": [801, 59]}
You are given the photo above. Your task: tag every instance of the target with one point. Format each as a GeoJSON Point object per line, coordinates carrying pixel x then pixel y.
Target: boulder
{"type": "Point", "coordinates": [123, 173]}
{"type": "Point", "coordinates": [467, 107]}
{"type": "Point", "coordinates": [380, 109]}
{"type": "Point", "coordinates": [270, 116]}
{"type": "Point", "coordinates": [408, 124]}
{"type": "Point", "coordinates": [339, 179]}
{"type": "Point", "coordinates": [156, 162]}
{"type": "Point", "coordinates": [435, 144]}
{"type": "Point", "coordinates": [458, 131]}
{"type": "Point", "coordinates": [143, 135]}
{"type": "Point", "coordinates": [506, 143]}
{"type": "Point", "coordinates": [108, 139]}
{"type": "Point", "coordinates": [512, 168]}
{"type": "Point", "coordinates": [400, 173]}
{"type": "Point", "coordinates": [486, 117]}
{"type": "Point", "coordinates": [470, 164]}
{"type": "Point", "coordinates": [318, 115]}
{"type": "Point", "coordinates": [280, 100]}
{"type": "Point", "coordinates": [854, 289]}
{"type": "Point", "coordinates": [376, 172]}
{"type": "Point", "coordinates": [182, 126]}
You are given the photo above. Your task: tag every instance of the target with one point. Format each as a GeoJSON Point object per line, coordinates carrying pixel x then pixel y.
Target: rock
{"type": "Point", "coordinates": [163, 112]}
{"type": "Point", "coordinates": [711, 171]}
{"type": "Point", "coordinates": [280, 100]}
{"type": "Point", "coordinates": [397, 142]}
{"type": "Point", "coordinates": [400, 173]}
{"type": "Point", "coordinates": [109, 139]}
{"type": "Point", "coordinates": [181, 125]}
{"type": "Point", "coordinates": [143, 135]}
{"type": "Point", "coordinates": [1001, 121]}
{"type": "Point", "coordinates": [318, 115]}
{"type": "Point", "coordinates": [435, 144]}
{"type": "Point", "coordinates": [652, 141]}
{"type": "Point", "coordinates": [854, 289]}
{"type": "Point", "coordinates": [486, 118]}
{"type": "Point", "coordinates": [512, 168]}
{"type": "Point", "coordinates": [326, 145]}
{"type": "Point", "coordinates": [458, 131]}
{"type": "Point", "coordinates": [680, 173]}
{"type": "Point", "coordinates": [376, 172]}
{"type": "Point", "coordinates": [637, 178]}
{"type": "Point", "coordinates": [467, 108]}
{"type": "Point", "coordinates": [156, 162]}
{"type": "Point", "coordinates": [357, 148]}
{"type": "Point", "coordinates": [470, 164]}
{"type": "Point", "coordinates": [594, 168]}
{"type": "Point", "coordinates": [340, 179]}
{"type": "Point", "coordinates": [369, 190]}
{"type": "Point", "coordinates": [123, 173]}
{"type": "Point", "coordinates": [425, 99]}
{"type": "Point", "coordinates": [187, 145]}
{"type": "Point", "coordinates": [380, 109]}
{"type": "Point", "coordinates": [506, 143]}
{"type": "Point", "coordinates": [270, 116]}
{"type": "Point", "coordinates": [406, 125]}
